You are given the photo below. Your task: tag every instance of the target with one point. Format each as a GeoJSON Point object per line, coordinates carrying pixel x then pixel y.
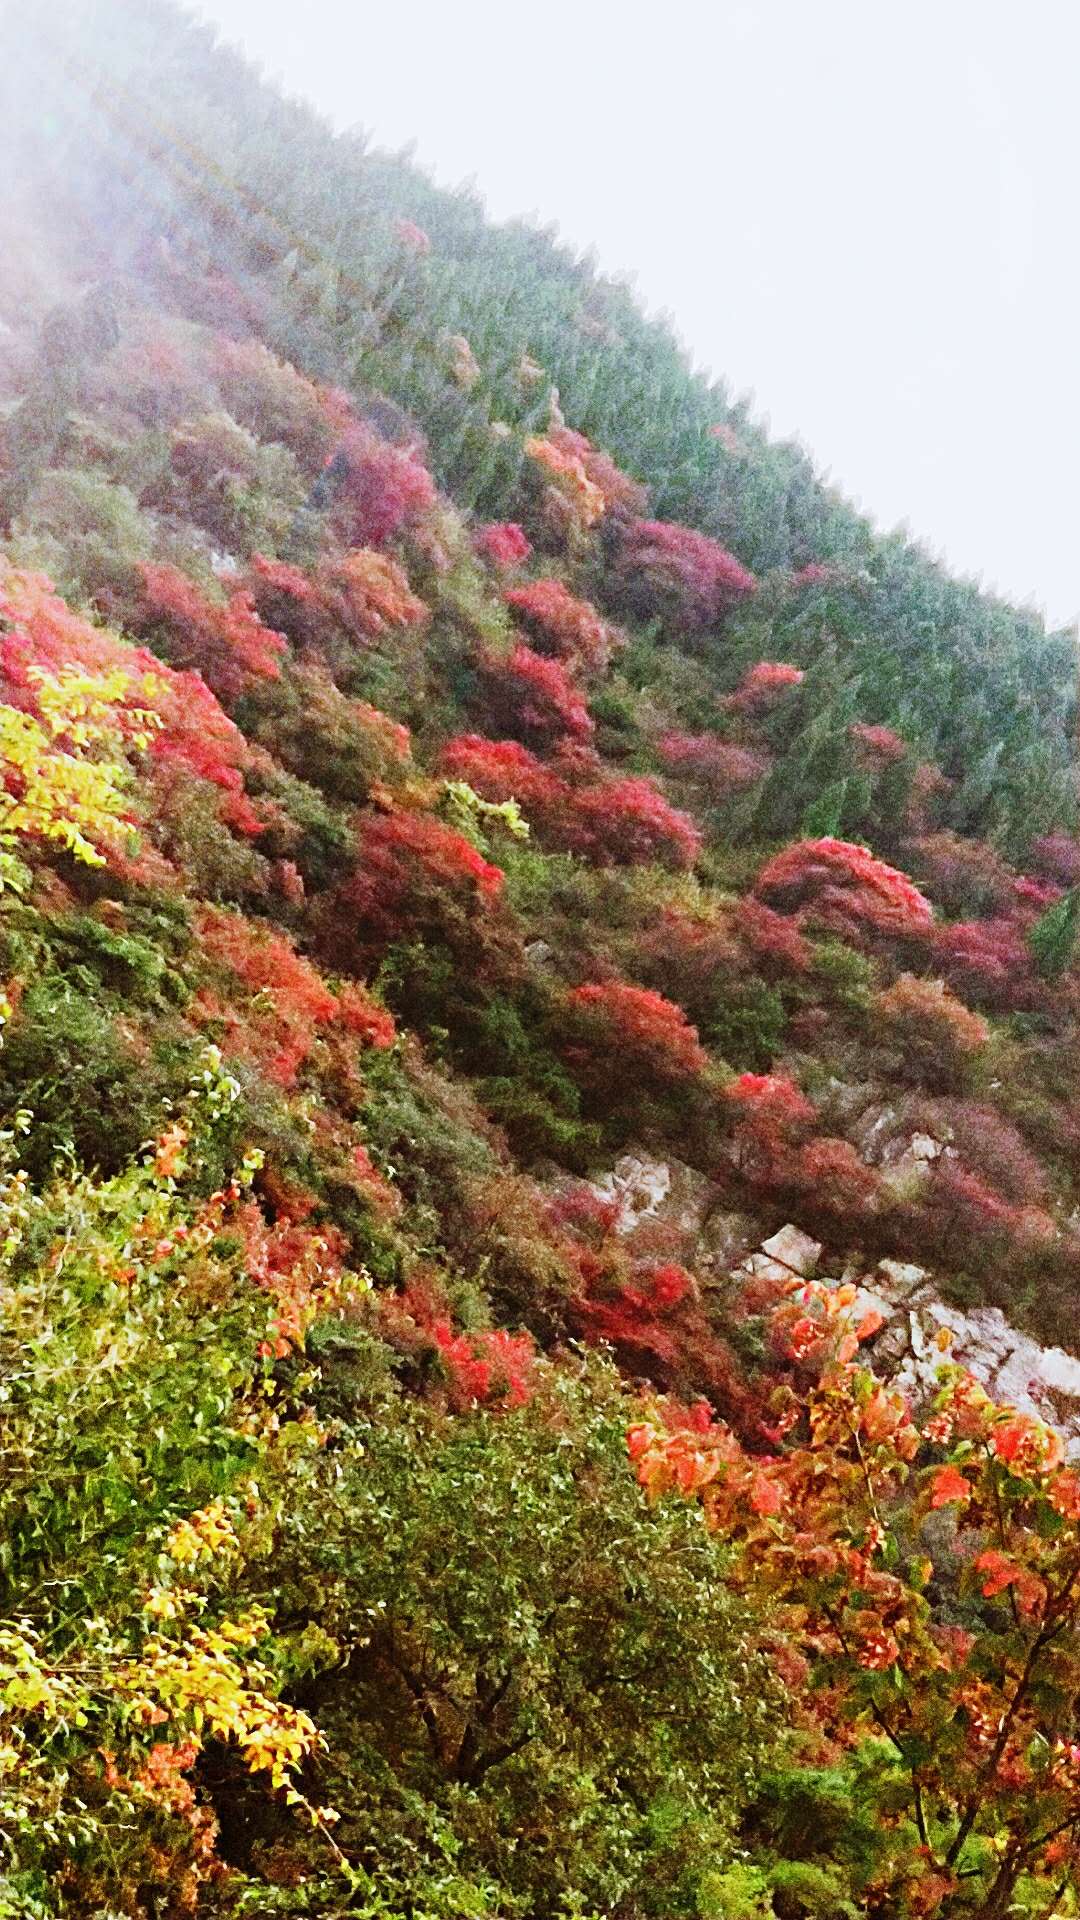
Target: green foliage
{"type": "Point", "coordinates": [535, 1653]}
{"type": "Point", "coordinates": [1053, 938]}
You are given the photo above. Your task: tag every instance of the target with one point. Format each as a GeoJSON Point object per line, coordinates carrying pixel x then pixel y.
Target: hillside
{"type": "Point", "coordinates": [540, 1026]}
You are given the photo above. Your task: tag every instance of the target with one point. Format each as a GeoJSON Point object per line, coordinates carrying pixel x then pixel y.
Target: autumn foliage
{"type": "Point", "coordinates": [977, 1762]}
{"type": "Point", "coordinates": [678, 575]}
{"type": "Point", "coordinates": [845, 888]}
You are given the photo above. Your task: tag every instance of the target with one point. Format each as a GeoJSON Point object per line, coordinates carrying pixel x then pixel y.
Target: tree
{"type": "Point", "coordinates": [927, 1573]}
{"type": "Point", "coordinates": [1054, 936]}
{"type": "Point", "coordinates": [535, 1656]}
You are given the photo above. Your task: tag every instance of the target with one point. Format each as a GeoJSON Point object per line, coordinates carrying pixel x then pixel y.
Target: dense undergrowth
{"type": "Point", "coordinates": [445, 745]}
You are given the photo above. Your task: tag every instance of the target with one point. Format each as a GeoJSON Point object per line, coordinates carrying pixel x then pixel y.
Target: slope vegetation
{"type": "Point", "coordinates": [447, 747]}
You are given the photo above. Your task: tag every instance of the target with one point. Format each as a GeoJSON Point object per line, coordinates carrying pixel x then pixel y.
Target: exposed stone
{"type": "Point", "coordinates": [1015, 1370]}
{"type": "Point", "coordinates": [663, 1192]}
{"type": "Point", "coordinates": [794, 1249]}
{"type": "Point", "coordinates": [788, 1253]}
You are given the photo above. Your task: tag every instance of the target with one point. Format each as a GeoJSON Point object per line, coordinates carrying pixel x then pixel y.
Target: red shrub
{"type": "Point", "coordinates": [505, 770]}
{"type": "Point", "coordinates": [878, 747]}
{"type": "Point", "coordinates": [637, 1032]}
{"type": "Point", "coordinates": [636, 1318]}
{"type": "Point", "coordinates": [489, 1367]}
{"type": "Point", "coordinates": [774, 942]}
{"type": "Point", "coordinates": [370, 594]}
{"type": "Point", "coordinates": [628, 822]}
{"type": "Point", "coordinates": [300, 1265]}
{"type": "Point", "coordinates": [531, 698]}
{"type": "Point", "coordinates": [273, 400]}
{"type": "Point", "coordinates": [563, 626]}
{"type": "Point", "coordinates": [1057, 855]}
{"type": "Point", "coordinates": [503, 544]}
{"type": "Point", "coordinates": [772, 1103]}
{"type": "Point", "coordinates": [989, 961]}
{"type": "Point", "coordinates": [383, 489]}
{"type": "Point", "coordinates": [962, 876]}
{"type": "Point", "coordinates": [833, 1180]}
{"type": "Point", "coordinates": [936, 1035]}
{"type": "Point", "coordinates": [762, 686]}
{"type": "Point", "coordinates": [228, 645]}
{"type": "Point", "coordinates": [845, 888]}
{"type": "Point", "coordinates": [350, 600]}
{"type": "Point", "coordinates": [286, 1002]}
{"type": "Point", "coordinates": [624, 822]}
{"type": "Point", "coordinates": [678, 574]}
{"type": "Point", "coordinates": [722, 768]}
{"type": "Point", "coordinates": [415, 876]}
{"type": "Point", "coordinates": [771, 1119]}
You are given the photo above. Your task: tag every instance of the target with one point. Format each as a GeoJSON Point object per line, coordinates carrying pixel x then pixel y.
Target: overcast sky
{"type": "Point", "coordinates": [863, 212]}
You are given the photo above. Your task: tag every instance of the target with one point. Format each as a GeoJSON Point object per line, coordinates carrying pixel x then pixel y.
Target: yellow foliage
{"type": "Point", "coordinates": [63, 776]}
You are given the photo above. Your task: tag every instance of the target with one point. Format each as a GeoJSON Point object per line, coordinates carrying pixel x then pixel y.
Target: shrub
{"type": "Point", "coordinates": [965, 878]}
{"type": "Point", "coordinates": [227, 644]}
{"type": "Point", "coordinates": [721, 768]}
{"type": "Point", "coordinates": [379, 490]}
{"type": "Point", "coordinates": [763, 687]}
{"type": "Point", "coordinates": [876, 747]}
{"type": "Point", "coordinates": [620, 1030]}
{"type": "Point", "coordinates": [272, 399]}
{"type": "Point", "coordinates": [771, 1118]}
{"type": "Point", "coordinates": [628, 822]}
{"type": "Point", "coordinates": [503, 544]}
{"type": "Point", "coordinates": [617, 488]}
{"type": "Point", "coordinates": [284, 1004]}
{"type": "Point", "coordinates": [990, 962]}
{"type": "Point", "coordinates": [844, 888]}
{"type": "Point", "coordinates": [961, 1655]}
{"type": "Point", "coordinates": [677, 575]}
{"type": "Point", "coordinates": [561, 625]}
{"type": "Point", "coordinates": [574, 501]}
{"type": "Point", "coordinates": [936, 1037]}
{"type": "Point", "coordinates": [610, 822]}
{"type": "Point", "coordinates": [531, 698]}
{"type": "Point", "coordinates": [193, 738]}
{"type": "Point", "coordinates": [415, 878]}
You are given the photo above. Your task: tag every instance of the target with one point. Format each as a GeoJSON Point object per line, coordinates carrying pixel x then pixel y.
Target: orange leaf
{"type": "Point", "coordinates": [949, 1484]}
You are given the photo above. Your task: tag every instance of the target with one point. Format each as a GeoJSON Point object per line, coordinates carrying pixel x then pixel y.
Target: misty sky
{"type": "Point", "coordinates": [864, 213]}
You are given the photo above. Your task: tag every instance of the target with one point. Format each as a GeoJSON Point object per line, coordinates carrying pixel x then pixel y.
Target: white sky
{"type": "Point", "coordinates": [864, 212]}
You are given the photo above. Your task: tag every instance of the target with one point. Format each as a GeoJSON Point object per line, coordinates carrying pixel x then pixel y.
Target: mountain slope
{"type": "Point", "coordinates": [448, 747]}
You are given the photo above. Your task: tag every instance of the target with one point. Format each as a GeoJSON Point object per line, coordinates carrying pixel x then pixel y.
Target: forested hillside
{"type": "Point", "coordinates": [456, 767]}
